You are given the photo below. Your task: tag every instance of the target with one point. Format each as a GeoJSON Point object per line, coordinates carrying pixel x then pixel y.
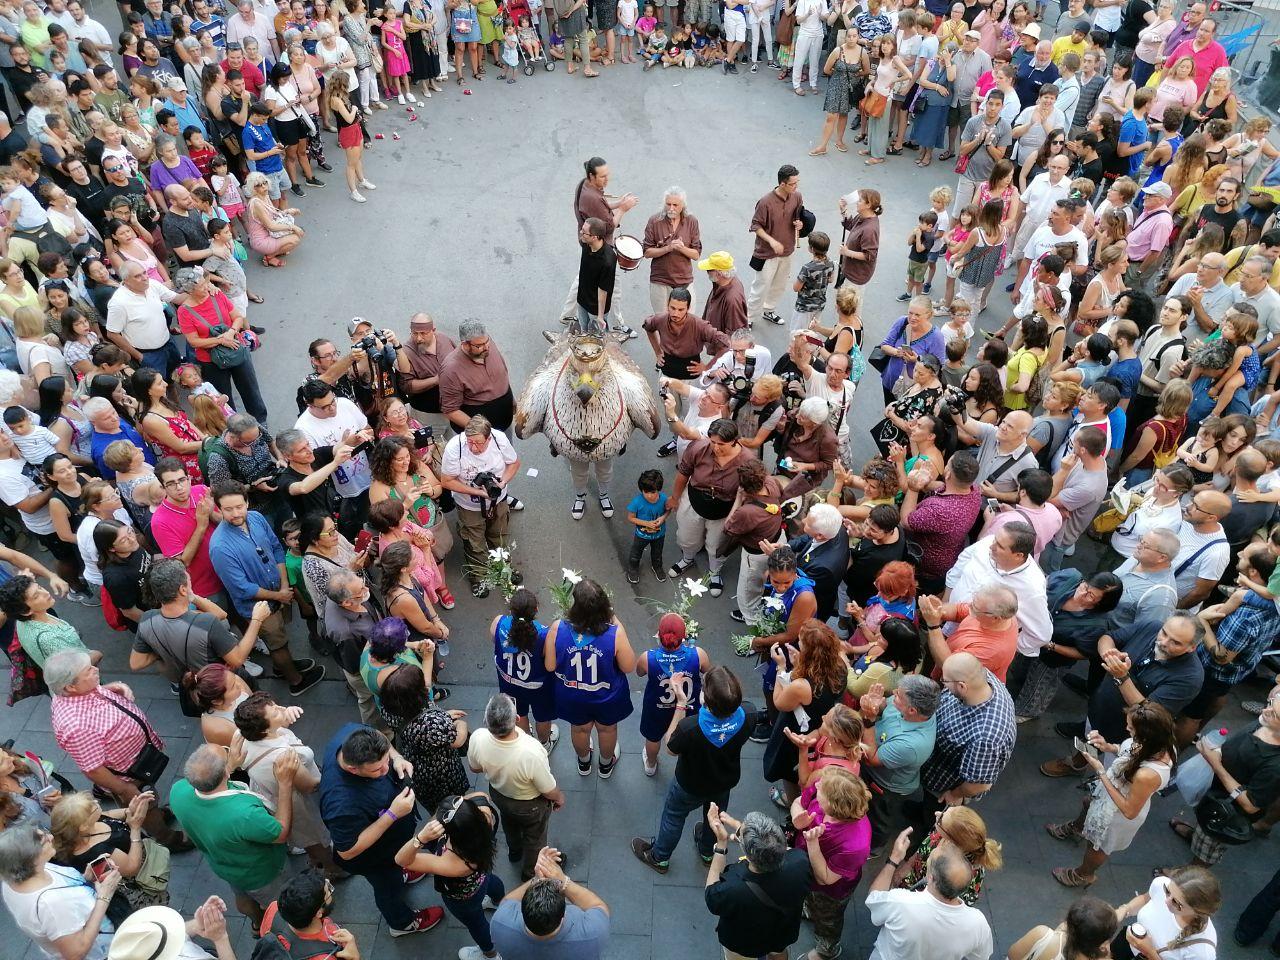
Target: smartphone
{"type": "Point", "coordinates": [363, 539]}
{"type": "Point", "coordinates": [100, 866]}
{"type": "Point", "coordinates": [48, 791]}
{"type": "Point", "coordinates": [1084, 746]}
{"type": "Point", "coordinates": [993, 504]}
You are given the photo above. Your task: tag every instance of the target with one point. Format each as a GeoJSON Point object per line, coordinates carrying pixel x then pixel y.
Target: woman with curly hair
{"type": "Point", "coordinates": [407, 601]}
{"type": "Point", "coordinates": [811, 677]}
{"type": "Point", "coordinates": [963, 832]}
{"type": "Point", "coordinates": [590, 654]}
{"type": "Point", "coordinates": [400, 473]}
{"type": "Point", "coordinates": [1120, 797]}
{"type": "Point", "coordinates": [878, 483]}
{"type": "Point", "coordinates": [983, 398]}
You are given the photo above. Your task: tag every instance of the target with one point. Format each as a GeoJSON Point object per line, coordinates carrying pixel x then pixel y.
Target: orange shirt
{"type": "Point", "coordinates": [993, 649]}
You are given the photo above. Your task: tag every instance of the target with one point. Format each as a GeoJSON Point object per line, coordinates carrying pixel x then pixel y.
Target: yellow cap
{"type": "Point", "coordinates": [717, 261]}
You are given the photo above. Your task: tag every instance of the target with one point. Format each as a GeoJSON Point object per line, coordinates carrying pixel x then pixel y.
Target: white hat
{"type": "Point", "coordinates": [1159, 189]}
{"type": "Point", "coordinates": [152, 933]}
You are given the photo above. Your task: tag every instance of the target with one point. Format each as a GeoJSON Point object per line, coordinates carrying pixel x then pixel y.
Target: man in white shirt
{"type": "Point", "coordinates": [1005, 560]}
{"type": "Point", "coordinates": [1254, 288]}
{"type": "Point", "coordinates": [744, 358]}
{"type": "Point", "coordinates": [84, 27]}
{"type": "Point", "coordinates": [136, 320]}
{"type": "Point", "coordinates": [1038, 199]}
{"type": "Point", "coordinates": [832, 385]}
{"type": "Point", "coordinates": [702, 408]}
{"type": "Point", "coordinates": [1057, 229]}
{"type": "Point", "coordinates": [482, 519]}
{"type": "Point", "coordinates": [1205, 553]}
{"type": "Point", "coordinates": [330, 420]}
{"type": "Point", "coordinates": [929, 924]}
{"type": "Point", "coordinates": [17, 490]}
{"type": "Point", "coordinates": [252, 22]}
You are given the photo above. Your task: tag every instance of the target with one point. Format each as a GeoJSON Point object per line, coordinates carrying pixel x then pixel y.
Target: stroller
{"type": "Point", "coordinates": [512, 11]}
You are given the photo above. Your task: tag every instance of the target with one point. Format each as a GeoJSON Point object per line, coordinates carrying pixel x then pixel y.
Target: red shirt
{"type": "Point", "coordinates": [199, 319]}
{"type": "Point", "coordinates": [203, 159]}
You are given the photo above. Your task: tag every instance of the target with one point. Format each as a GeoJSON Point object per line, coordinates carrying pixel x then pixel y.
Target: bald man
{"type": "Point", "coordinates": [183, 227]}
{"type": "Point", "coordinates": [1003, 453]}
{"type": "Point", "coordinates": [1205, 551]}
{"type": "Point", "coordinates": [1247, 516]}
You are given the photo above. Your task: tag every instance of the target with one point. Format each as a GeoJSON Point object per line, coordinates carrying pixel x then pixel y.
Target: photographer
{"type": "Point", "coordinates": [245, 455]}
{"type": "Point", "coordinates": [341, 372]}
{"type": "Point", "coordinates": [743, 360]}
{"type": "Point", "coordinates": [833, 386]}
{"type": "Point", "coordinates": [703, 408]}
{"type": "Point", "coordinates": [376, 374]}
{"type": "Point", "coordinates": [328, 421]}
{"type": "Point", "coordinates": [477, 466]}
{"type": "Point", "coordinates": [758, 413]}
{"type": "Point", "coordinates": [307, 478]}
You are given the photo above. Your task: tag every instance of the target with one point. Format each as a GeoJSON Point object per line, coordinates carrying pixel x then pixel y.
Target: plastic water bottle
{"type": "Point", "coordinates": [1213, 738]}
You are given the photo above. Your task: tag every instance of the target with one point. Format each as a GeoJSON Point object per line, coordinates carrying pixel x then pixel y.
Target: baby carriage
{"type": "Point", "coordinates": [513, 11]}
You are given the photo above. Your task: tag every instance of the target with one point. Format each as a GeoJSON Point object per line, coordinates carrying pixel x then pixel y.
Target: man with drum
{"type": "Point", "coordinates": [678, 338]}
{"type": "Point", "coordinates": [727, 306]}
{"type": "Point", "coordinates": [590, 200]}
{"type": "Point", "coordinates": [672, 240]}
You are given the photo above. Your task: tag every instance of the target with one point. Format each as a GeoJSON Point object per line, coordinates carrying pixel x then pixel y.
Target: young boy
{"type": "Point", "coordinates": [199, 151]}
{"type": "Point", "coordinates": [954, 370]}
{"type": "Point", "coordinates": [647, 512]}
{"type": "Point", "coordinates": [33, 441]}
{"type": "Point", "coordinates": [289, 531]}
{"type": "Point", "coordinates": [940, 200]}
{"type": "Point", "coordinates": [812, 282]}
{"type": "Point", "coordinates": [958, 326]}
{"type": "Point", "coordinates": [919, 243]}
{"type": "Point", "coordinates": [655, 47]}
{"type": "Point", "coordinates": [712, 51]}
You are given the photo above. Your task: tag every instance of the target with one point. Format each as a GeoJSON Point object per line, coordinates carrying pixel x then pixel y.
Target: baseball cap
{"type": "Point", "coordinates": [355, 323]}
{"type": "Point", "coordinates": [720, 260]}
{"type": "Point", "coordinates": [972, 33]}
{"type": "Point", "coordinates": [1160, 189]}
{"type": "Point", "coordinates": [1032, 29]}
{"type": "Point", "coordinates": [1082, 26]}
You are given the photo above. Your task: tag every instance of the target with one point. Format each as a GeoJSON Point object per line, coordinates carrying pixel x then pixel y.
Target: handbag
{"type": "Point", "coordinates": [153, 876]}
{"type": "Point", "coordinates": [149, 765]}
{"type": "Point", "coordinates": [1219, 817]}
{"type": "Point", "coordinates": [224, 357]}
{"type": "Point", "coordinates": [879, 359]}
{"type": "Point", "coordinates": [874, 104]}
{"type": "Point", "coordinates": [285, 218]}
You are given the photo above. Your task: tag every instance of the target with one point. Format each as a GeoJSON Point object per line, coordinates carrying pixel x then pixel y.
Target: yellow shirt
{"type": "Point", "coordinates": [1064, 45]}
{"type": "Point", "coordinates": [1238, 255]}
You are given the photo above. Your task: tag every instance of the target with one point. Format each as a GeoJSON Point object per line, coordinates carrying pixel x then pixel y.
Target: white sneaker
{"type": "Point", "coordinates": [251, 668]}
{"type": "Point", "coordinates": [367, 185]}
{"type": "Point", "coordinates": [400, 99]}
{"type": "Point", "coordinates": [358, 197]}
{"type": "Point", "coordinates": [552, 739]}
{"type": "Point", "coordinates": [649, 771]}
{"type": "Point", "coordinates": [260, 647]}
{"type": "Point", "coordinates": [475, 953]}
{"type": "Point", "coordinates": [411, 98]}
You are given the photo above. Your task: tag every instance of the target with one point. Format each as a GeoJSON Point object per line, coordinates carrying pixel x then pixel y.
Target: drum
{"type": "Point", "coordinates": [630, 251]}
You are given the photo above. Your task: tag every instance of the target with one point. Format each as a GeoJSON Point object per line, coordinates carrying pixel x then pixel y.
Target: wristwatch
{"type": "Point", "coordinates": [723, 851]}
{"type": "Point", "coordinates": [1120, 681]}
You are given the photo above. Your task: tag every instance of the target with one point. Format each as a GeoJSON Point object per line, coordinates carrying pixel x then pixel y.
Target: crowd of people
{"type": "Point", "coordinates": [1086, 472]}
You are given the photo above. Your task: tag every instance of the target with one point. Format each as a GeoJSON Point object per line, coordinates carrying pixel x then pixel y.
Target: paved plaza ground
{"type": "Point", "coordinates": [472, 218]}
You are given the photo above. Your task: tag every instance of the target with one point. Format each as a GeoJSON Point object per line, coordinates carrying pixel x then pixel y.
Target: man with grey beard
{"type": "Point", "coordinates": [672, 240]}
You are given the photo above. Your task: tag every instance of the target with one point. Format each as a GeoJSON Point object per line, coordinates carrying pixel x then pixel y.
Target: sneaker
{"type": "Point", "coordinates": [650, 769]}
{"type": "Point", "coordinates": [423, 920]}
{"type": "Point", "coordinates": [86, 599]}
{"type": "Point", "coordinates": [410, 877]}
{"type": "Point", "coordinates": [308, 680]}
{"type": "Point", "coordinates": [297, 190]}
{"type": "Point", "coordinates": [606, 506]}
{"type": "Point", "coordinates": [643, 850]}
{"type": "Point", "coordinates": [514, 854]}
{"type": "Point", "coordinates": [251, 668]}
{"type": "Point", "coordinates": [925, 288]}
{"type": "Point", "coordinates": [367, 185]}
{"type": "Point", "coordinates": [624, 331]}
{"type": "Point", "coordinates": [633, 576]}
{"type": "Point", "coordinates": [302, 664]}
{"type": "Point", "coordinates": [584, 766]}
{"type": "Point", "coordinates": [473, 952]}
{"type": "Point", "coordinates": [773, 317]}
{"type": "Point", "coordinates": [479, 591]}
{"type": "Point", "coordinates": [726, 66]}
{"type": "Point", "coordinates": [697, 842]}
{"type": "Point", "coordinates": [314, 182]}
{"type": "Point", "coordinates": [761, 732]}
{"type": "Point", "coordinates": [661, 577]}
{"type": "Point", "coordinates": [552, 739]}
{"type": "Point", "coordinates": [679, 567]}
{"type": "Point", "coordinates": [487, 903]}
{"type": "Point", "coordinates": [904, 297]}
{"type": "Point", "coordinates": [733, 68]}
{"type": "Point", "coordinates": [324, 166]}
{"type": "Point", "coordinates": [358, 197]}
{"type": "Point", "coordinates": [579, 508]}
{"type": "Point", "coordinates": [411, 98]}
{"type": "Point", "coordinates": [1009, 288]}
{"type": "Point", "coordinates": [755, 67]}
{"type": "Point", "coordinates": [606, 769]}
{"type": "Point", "coordinates": [715, 586]}
{"type": "Point", "coordinates": [667, 449]}
{"type": "Point", "coordinates": [737, 615]}
{"type": "Point", "coordinates": [400, 99]}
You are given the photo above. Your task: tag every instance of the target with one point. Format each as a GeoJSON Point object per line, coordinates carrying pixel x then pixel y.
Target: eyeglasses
{"type": "Point", "coordinates": [1056, 143]}
{"type": "Point", "coordinates": [175, 483]}
{"type": "Point", "coordinates": [326, 406]}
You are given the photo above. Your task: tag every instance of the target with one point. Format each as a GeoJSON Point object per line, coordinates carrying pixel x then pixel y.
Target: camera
{"type": "Point", "coordinates": [792, 390]}
{"type": "Point", "coordinates": [423, 437]}
{"type": "Point", "coordinates": [664, 392]}
{"type": "Point", "coordinates": [379, 351]}
{"type": "Point", "coordinates": [741, 384]}
{"type": "Point", "coordinates": [490, 484]}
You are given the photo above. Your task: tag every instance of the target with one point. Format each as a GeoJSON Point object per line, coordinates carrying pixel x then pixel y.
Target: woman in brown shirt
{"type": "Point", "coordinates": [705, 488]}
{"type": "Point", "coordinates": [861, 245]}
{"type": "Point", "coordinates": [808, 447]}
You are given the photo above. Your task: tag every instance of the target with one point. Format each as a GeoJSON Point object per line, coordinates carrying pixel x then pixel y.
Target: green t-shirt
{"type": "Point", "coordinates": [369, 673]}
{"type": "Point", "coordinates": [235, 832]}
{"type": "Point", "coordinates": [41, 640]}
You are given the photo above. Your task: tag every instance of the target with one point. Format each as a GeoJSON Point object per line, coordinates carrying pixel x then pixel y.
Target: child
{"type": "Point", "coordinates": [79, 337]}
{"type": "Point", "coordinates": [996, 353]}
{"type": "Point", "coordinates": [895, 596]}
{"type": "Point", "coordinates": [673, 663]}
{"type": "Point", "coordinates": [391, 522]}
{"type": "Point", "coordinates": [395, 59]}
{"type": "Point", "coordinates": [1087, 363]}
{"type": "Point", "coordinates": [647, 512]}
{"type": "Point", "coordinates": [510, 53]}
{"type": "Point", "coordinates": [188, 379]}
{"type": "Point", "coordinates": [940, 199]}
{"type": "Point", "coordinates": [954, 370]}
{"type": "Point", "coordinates": [645, 26]}
{"type": "Point", "coordinates": [655, 47]}
{"type": "Point", "coordinates": [227, 189]}
{"type": "Point", "coordinates": [199, 151]}
{"type": "Point", "coordinates": [626, 29]}
{"type": "Point", "coordinates": [956, 237]}
{"type": "Point", "coordinates": [1126, 369]}
{"type": "Point", "coordinates": [289, 534]}
{"type": "Point", "coordinates": [812, 282]}
{"type": "Point", "coordinates": [713, 51]}
{"type": "Point", "coordinates": [34, 442]}
{"type": "Point", "coordinates": [529, 40]}
{"type": "Point", "coordinates": [919, 243]}
{"type": "Point", "coordinates": [673, 56]}
{"type": "Point", "coordinates": [958, 326]}
{"type": "Point", "coordinates": [518, 639]}
{"type": "Point", "coordinates": [1202, 452]}
{"type": "Point", "coordinates": [1241, 367]}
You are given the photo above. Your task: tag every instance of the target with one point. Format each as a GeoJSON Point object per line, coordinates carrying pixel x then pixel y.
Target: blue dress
{"type": "Point", "coordinates": [930, 128]}
{"type": "Point", "coordinates": [659, 701]}
{"type": "Point", "coordinates": [523, 675]}
{"type": "Point", "coordinates": [590, 688]}
{"type": "Point", "coordinates": [801, 585]}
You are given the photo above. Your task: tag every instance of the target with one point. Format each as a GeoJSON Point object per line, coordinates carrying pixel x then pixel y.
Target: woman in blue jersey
{"type": "Point", "coordinates": [790, 600]}
{"type": "Point", "coordinates": [673, 663]}
{"type": "Point", "coordinates": [518, 642]}
{"type": "Point", "coordinates": [589, 652]}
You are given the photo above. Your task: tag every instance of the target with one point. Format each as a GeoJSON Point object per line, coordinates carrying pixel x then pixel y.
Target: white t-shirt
{"type": "Point", "coordinates": [1209, 565]}
{"type": "Point", "coordinates": [1163, 927]}
{"type": "Point", "coordinates": [694, 420]}
{"type": "Point", "coordinates": [1149, 516]}
{"type": "Point", "coordinates": [916, 925]}
{"type": "Point", "coordinates": [16, 487]}
{"type": "Point", "coordinates": [329, 58]}
{"type": "Point", "coordinates": [839, 400]}
{"type": "Point", "coordinates": [31, 355]}
{"type": "Point", "coordinates": [353, 477]}
{"type": "Point", "coordinates": [460, 461]}
{"type": "Point", "coordinates": [140, 317]}
{"type": "Point", "coordinates": [57, 911]}
{"type": "Point", "coordinates": [89, 552]}
{"type": "Point", "coordinates": [764, 363]}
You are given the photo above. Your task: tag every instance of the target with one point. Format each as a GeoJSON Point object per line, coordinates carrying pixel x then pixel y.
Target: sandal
{"type": "Point", "coordinates": [860, 138]}
{"type": "Point", "coordinates": [864, 153]}
{"type": "Point", "coordinates": [815, 152]}
{"type": "Point", "coordinates": [779, 798]}
{"type": "Point", "coordinates": [1063, 831]}
{"type": "Point", "coordinates": [873, 161]}
{"type": "Point", "coordinates": [1071, 877]}
{"type": "Point", "coordinates": [254, 298]}
{"type": "Point", "coordinates": [585, 74]}
{"type": "Point", "coordinates": [946, 155]}
{"type": "Point", "coordinates": [446, 598]}
{"type": "Point", "coordinates": [1181, 828]}
{"type": "Point", "coordinates": [894, 151]}
{"type": "Point", "coordinates": [271, 261]}
{"type": "Point", "coordinates": [842, 148]}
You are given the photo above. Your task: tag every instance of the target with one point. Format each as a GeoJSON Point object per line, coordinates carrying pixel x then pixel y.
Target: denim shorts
{"type": "Point", "coordinates": [277, 183]}
{"type": "Point", "coordinates": [624, 31]}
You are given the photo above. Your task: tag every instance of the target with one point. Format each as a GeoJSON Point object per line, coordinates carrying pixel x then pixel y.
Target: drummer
{"type": "Point", "coordinates": [679, 338]}
{"type": "Point", "coordinates": [672, 240]}
{"type": "Point", "coordinates": [590, 200]}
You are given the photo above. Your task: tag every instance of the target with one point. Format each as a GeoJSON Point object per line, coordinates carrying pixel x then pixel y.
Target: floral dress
{"type": "Point", "coordinates": [917, 870]}
{"type": "Point", "coordinates": [906, 408]}
{"type": "Point", "coordinates": [183, 429]}
{"type": "Point", "coordinates": [426, 741]}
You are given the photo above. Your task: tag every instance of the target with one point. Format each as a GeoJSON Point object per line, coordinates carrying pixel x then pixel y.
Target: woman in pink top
{"type": "Point", "coordinates": [127, 246]}
{"type": "Point", "coordinates": [1176, 88]}
{"type": "Point", "coordinates": [1151, 38]}
{"type": "Point", "coordinates": [309, 90]}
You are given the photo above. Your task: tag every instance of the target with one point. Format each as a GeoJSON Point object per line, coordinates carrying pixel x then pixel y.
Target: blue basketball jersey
{"type": "Point", "coordinates": [519, 670]}
{"type": "Point", "coordinates": [585, 666]}
{"type": "Point", "coordinates": [659, 693]}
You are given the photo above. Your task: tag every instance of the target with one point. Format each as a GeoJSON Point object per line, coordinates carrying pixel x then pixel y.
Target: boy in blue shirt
{"type": "Point", "coordinates": [648, 511]}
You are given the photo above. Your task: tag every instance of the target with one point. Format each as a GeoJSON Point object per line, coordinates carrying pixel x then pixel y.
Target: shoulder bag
{"type": "Point", "coordinates": [879, 359]}
{"type": "Point", "coordinates": [224, 357]}
{"type": "Point", "coordinates": [149, 765]}
{"type": "Point", "coordinates": [1219, 817]}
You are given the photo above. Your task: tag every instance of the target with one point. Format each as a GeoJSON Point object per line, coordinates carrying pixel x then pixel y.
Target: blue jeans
{"type": "Point", "coordinates": [163, 358]}
{"type": "Point", "coordinates": [471, 911]}
{"type": "Point", "coordinates": [675, 810]}
{"type": "Point", "coordinates": [388, 893]}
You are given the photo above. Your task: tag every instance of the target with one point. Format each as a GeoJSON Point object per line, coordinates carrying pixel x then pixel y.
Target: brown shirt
{"type": "Point", "coordinates": [776, 217]}
{"type": "Point", "coordinates": [465, 383]}
{"type": "Point", "coordinates": [590, 202]}
{"type": "Point", "coordinates": [423, 363]}
{"type": "Point", "coordinates": [863, 236]}
{"type": "Point", "coordinates": [673, 269]}
{"type": "Point", "coordinates": [819, 448]}
{"type": "Point", "coordinates": [693, 336]}
{"type": "Point", "coordinates": [726, 308]}
{"type": "Point", "coordinates": [700, 467]}
{"type": "Point", "coordinates": [751, 522]}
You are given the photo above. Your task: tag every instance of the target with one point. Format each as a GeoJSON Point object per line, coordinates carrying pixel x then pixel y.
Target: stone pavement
{"type": "Point", "coordinates": [472, 218]}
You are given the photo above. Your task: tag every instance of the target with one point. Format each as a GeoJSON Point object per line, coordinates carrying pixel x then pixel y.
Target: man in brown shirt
{"type": "Point", "coordinates": [727, 306]}
{"type": "Point", "coordinates": [776, 224]}
{"type": "Point", "coordinates": [755, 517]}
{"type": "Point", "coordinates": [589, 200]}
{"type": "Point", "coordinates": [678, 338]}
{"type": "Point", "coordinates": [473, 380]}
{"type": "Point", "coordinates": [672, 240]}
{"type": "Point", "coordinates": [418, 363]}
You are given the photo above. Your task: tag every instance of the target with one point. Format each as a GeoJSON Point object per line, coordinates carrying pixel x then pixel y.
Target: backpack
{"type": "Point", "coordinates": [269, 948]}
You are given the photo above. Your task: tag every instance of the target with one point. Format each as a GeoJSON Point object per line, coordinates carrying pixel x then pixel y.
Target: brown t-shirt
{"type": "Point", "coordinates": [590, 202]}
{"type": "Point", "coordinates": [726, 308]}
{"type": "Point", "coordinates": [820, 448]}
{"type": "Point", "coordinates": [864, 236]}
{"type": "Point", "coordinates": [776, 216]}
{"type": "Point", "coordinates": [465, 383]}
{"type": "Point", "coordinates": [426, 364]}
{"type": "Point", "coordinates": [693, 336]}
{"type": "Point", "coordinates": [751, 522]}
{"type": "Point", "coordinates": [673, 269]}
{"type": "Point", "coordinates": [703, 471]}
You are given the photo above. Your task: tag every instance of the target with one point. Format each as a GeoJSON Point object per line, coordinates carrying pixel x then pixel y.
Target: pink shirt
{"type": "Point", "coordinates": [1045, 521]}
{"type": "Point", "coordinates": [1150, 231]}
{"type": "Point", "coordinates": [1207, 60]}
{"type": "Point", "coordinates": [172, 527]}
{"type": "Point", "coordinates": [1172, 93]}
